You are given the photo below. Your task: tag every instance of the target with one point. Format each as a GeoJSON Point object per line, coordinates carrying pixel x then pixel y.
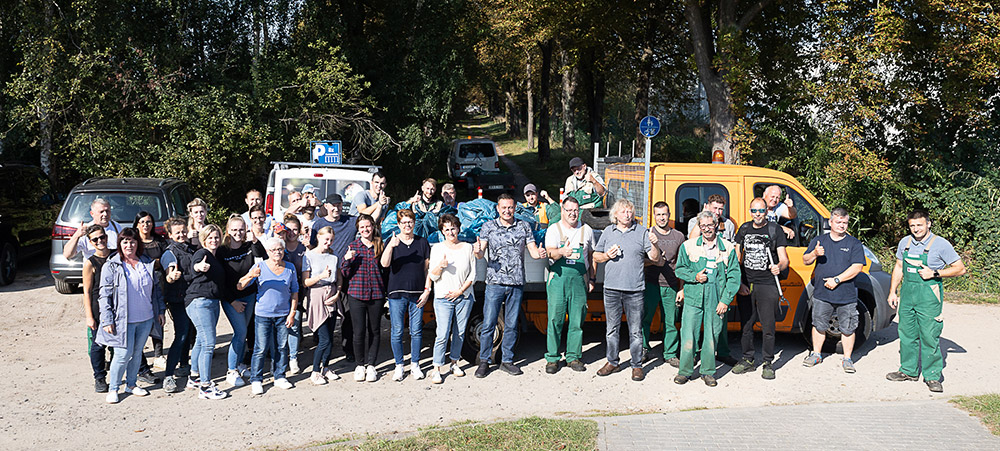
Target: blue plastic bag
{"type": "Point", "coordinates": [473, 215]}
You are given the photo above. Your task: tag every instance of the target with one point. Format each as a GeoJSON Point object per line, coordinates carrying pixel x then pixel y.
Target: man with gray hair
{"type": "Point", "coordinates": [625, 246]}
{"type": "Point", "coordinates": [100, 212]}
{"type": "Point", "coordinates": [780, 211]}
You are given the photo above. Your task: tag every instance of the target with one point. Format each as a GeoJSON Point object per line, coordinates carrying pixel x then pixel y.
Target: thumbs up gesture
{"type": "Point", "coordinates": [349, 254]}
{"type": "Point", "coordinates": [443, 263]}
{"type": "Point", "coordinates": [203, 265]}
{"type": "Point", "coordinates": [255, 271]}
{"type": "Point", "coordinates": [326, 273]}
{"type": "Point", "coordinates": [820, 251]}
{"type": "Point", "coordinates": [81, 231]}
{"type": "Point", "coordinates": [652, 237]}
{"type": "Point", "coordinates": [702, 276]}
{"type": "Point", "coordinates": [394, 241]}
{"type": "Point", "coordinates": [788, 201]}
{"type": "Point", "coordinates": [479, 246]}
{"type": "Point", "coordinates": [173, 273]}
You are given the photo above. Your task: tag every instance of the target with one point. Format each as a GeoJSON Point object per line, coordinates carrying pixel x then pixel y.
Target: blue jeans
{"type": "Point", "coordinates": [451, 318]}
{"type": "Point", "coordinates": [179, 351]}
{"type": "Point", "coordinates": [631, 303]}
{"type": "Point", "coordinates": [271, 336]}
{"type": "Point", "coordinates": [204, 314]}
{"type": "Point", "coordinates": [129, 357]}
{"type": "Point", "coordinates": [295, 336]}
{"type": "Point", "coordinates": [239, 321]}
{"type": "Point", "coordinates": [324, 343]}
{"type": "Point", "coordinates": [98, 355]}
{"type": "Point", "coordinates": [405, 306]}
{"type": "Point", "coordinates": [510, 297]}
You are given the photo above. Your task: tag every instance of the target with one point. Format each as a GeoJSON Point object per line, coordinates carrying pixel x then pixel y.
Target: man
{"type": "Point", "coordinates": [505, 239]}
{"type": "Point", "coordinates": [533, 203]}
{"type": "Point", "coordinates": [711, 274]}
{"type": "Point", "coordinates": [448, 195]}
{"type": "Point", "coordinates": [309, 203]}
{"type": "Point", "coordinates": [922, 260]}
{"type": "Point", "coordinates": [373, 201]}
{"type": "Point", "coordinates": [778, 212]}
{"type": "Point", "coordinates": [570, 245]}
{"type": "Point", "coordinates": [839, 258]}
{"type": "Point", "coordinates": [100, 213]}
{"type": "Point", "coordinates": [662, 287]}
{"type": "Point", "coordinates": [344, 231]}
{"type": "Point", "coordinates": [423, 200]}
{"type": "Point", "coordinates": [585, 185]}
{"type": "Point", "coordinates": [760, 246]}
{"type": "Point", "coordinates": [716, 205]}
{"type": "Point", "coordinates": [624, 245]}
{"type": "Point", "coordinates": [295, 204]}
{"type": "Point", "coordinates": [254, 198]}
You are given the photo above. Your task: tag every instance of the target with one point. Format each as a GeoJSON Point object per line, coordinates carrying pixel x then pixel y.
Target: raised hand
{"type": "Point", "coordinates": [254, 271]}
{"type": "Point", "coordinates": [394, 241]}
{"type": "Point", "coordinates": [81, 231]}
{"type": "Point", "coordinates": [819, 250]}
{"type": "Point", "coordinates": [203, 265]}
{"type": "Point", "coordinates": [443, 263]}
{"type": "Point", "coordinates": [614, 252]}
{"type": "Point", "coordinates": [542, 253]}
{"type": "Point", "coordinates": [173, 273]}
{"type": "Point", "coordinates": [788, 201]}
{"type": "Point", "coordinates": [326, 273]}
{"type": "Point", "coordinates": [349, 255]}
{"type": "Point", "coordinates": [652, 237]}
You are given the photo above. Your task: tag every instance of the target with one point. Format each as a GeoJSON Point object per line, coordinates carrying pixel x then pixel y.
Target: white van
{"type": "Point", "coordinates": [344, 179]}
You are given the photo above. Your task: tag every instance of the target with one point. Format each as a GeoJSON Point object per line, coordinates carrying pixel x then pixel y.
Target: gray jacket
{"type": "Point", "coordinates": [113, 301]}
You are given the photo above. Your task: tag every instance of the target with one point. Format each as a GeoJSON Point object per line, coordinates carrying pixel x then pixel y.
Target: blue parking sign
{"type": "Point", "coordinates": [325, 152]}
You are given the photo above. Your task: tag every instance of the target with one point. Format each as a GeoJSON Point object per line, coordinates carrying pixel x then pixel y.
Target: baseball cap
{"type": "Point", "coordinates": [334, 199]}
{"type": "Point", "coordinates": [530, 187]}
{"type": "Point", "coordinates": [309, 188]}
{"type": "Point", "coordinates": [576, 161]}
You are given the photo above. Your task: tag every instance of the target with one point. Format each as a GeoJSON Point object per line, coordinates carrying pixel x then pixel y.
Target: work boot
{"type": "Point", "coordinates": [709, 380]}
{"type": "Point", "coordinates": [674, 362]}
{"type": "Point", "coordinates": [551, 367]}
{"type": "Point", "coordinates": [576, 365]}
{"type": "Point", "coordinates": [638, 375]}
{"type": "Point", "coordinates": [607, 369]}
{"type": "Point", "coordinates": [934, 386]}
{"type": "Point", "coordinates": [744, 366]}
{"type": "Point", "coordinates": [899, 376]}
{"type": "Point", "coordinates": [681, 379]}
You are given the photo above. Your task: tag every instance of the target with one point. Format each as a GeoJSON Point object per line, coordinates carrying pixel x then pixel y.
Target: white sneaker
{"type": "Point", "coordinates": [398, 374]}
{"type": "Point", "coordinates": [160, 363]}
{"type": "Point", "coordinates": [283, 384]}
{"type": "Point", "coordinates": [112, 397]}
{"type": "Point", "coordinates": [256, 388]}
{"type": "Point", "coordinates": [293, 366]}
{"type": "Point", "coordinates": [317, 379]}
{"type": "Point", "coordinates": [233, 378]}
{"type": "Point", "coordinates": [436, 377]}
{"type": "Point", "coordinates": [193, 382]}
{"type": "Point", "coordinates": [370, 374]}
{"type": "Point", "coordinates": [329, 374]}
{"type": "Point", "coordinates": [415, 371]}
{"type": "Point", "coordinates": [211, 392]}
{"type": "Point", "coordinates": [359, 373]}
{"type": "Point", "coordinates": [456, 370]}
{"type": "Point", "coordinates": [138, 391]}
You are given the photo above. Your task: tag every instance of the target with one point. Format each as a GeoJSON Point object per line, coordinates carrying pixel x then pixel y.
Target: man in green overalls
{"type": "Point", "coordinates": [922, 260]}
{"type": "Point", "coordinates": [569, 244]}
{"type": "Point", "coordinates": [711, 274]}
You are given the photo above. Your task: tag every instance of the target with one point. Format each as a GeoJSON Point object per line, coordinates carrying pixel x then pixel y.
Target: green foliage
{"type": "Point", "coordinates": [528, 434]}
{"type": "Point", "coordinates": [986, 407]}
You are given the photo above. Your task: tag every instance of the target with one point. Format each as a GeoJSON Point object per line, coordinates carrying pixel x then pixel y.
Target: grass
{"type": "Point", "coordinates": [526, 434]}
{"type": "Point", "coordinates": [986, 407]}
{"type": "Point", "coordinates": [971, 297]}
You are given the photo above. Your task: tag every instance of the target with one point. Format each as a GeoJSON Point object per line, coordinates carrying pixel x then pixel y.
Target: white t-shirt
{"type": "Point", "coordinates": [780, 210]}
{"type": "Point", "coordinates": [85, 247]}
{"type": "Point", "coordinates": [317, 262]}
{"type": "Point", "coordinates": [558, 236]}
{"type": "Point", "coordinates": [573, 183]}
{"type": "Point", "coordinates": [461, 268]}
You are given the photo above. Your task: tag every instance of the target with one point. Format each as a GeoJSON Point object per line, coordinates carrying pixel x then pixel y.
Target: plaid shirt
{"type": "Point", "coordinates": [364, 276]}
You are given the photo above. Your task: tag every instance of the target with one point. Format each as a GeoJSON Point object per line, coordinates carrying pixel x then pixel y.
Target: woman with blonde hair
{"type": "Point", "coordinates": [197, 211]}
{"type": "Point", "coordinates": [237, 257]}
{"type": "Point", "coordinates": [324, 299]}
{"type": "Point", "coordinates": [205, 288]}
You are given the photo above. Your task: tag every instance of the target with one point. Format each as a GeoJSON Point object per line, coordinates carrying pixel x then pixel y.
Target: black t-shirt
{"type": "Point", "coordinates": [406, 270]}
{"type": "Point", "coordinates": [237, 263]}
{"type": "Point", "coordinates": [208, 284]}
{"type": "Point", "coordinates": [95, 285]}
{"type": "Point", "coordinates": [838, 256]}
{"type": "Point", "coordinates": [756, 244]}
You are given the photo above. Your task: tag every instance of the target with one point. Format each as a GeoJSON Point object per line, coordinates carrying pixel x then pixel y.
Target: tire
{"type": "Point", "coordinates": [8, 263]}
{"type": "Point", "coordinates": [597, 219]}
{"type": "Point", "coordinates": [832, 344]}
{"type": "Point", "coordinates": [470, 348]}
{"type": "Point", "coordinates": [64, 287]}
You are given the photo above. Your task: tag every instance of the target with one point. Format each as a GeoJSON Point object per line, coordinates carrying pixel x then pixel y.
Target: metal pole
{"type": "Point", "coordinates": [597, 150]}
{"type": "Point", "coordinates": [619, 147]}
{"type": "Point", "coordinates": [646, 186]}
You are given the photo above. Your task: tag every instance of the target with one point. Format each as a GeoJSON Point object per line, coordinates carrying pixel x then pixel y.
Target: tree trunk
{"type": "Point", "coordinates": [44, 106]}
{"type": "Point", "coordinates": [569, 83]}
{"type": "Point", "coordinates": [643, 83]}
{"type": "Point", "coordinates": [543, 102]}
{"type": "Point", "coordinates": [510, 113]}
{"type": "Point", "coordinates": [531, 105]}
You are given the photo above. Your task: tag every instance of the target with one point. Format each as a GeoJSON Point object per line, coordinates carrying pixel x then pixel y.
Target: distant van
{"type": "Point", "coordinates": [286, 177]}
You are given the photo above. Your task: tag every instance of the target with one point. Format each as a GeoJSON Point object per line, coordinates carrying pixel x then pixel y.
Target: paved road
{"type": "Point", "coordinates": [887, 425]}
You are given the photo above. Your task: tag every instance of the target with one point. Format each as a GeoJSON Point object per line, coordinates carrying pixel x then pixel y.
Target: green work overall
{"type": "Point", "coordinates": [566, 288]}
{"type": "Point", "coordinates": [920, 321]}
{"type": "Point", "coordinates": [656, 296]}
{"type": "Point", "coordinates": [701, 300]}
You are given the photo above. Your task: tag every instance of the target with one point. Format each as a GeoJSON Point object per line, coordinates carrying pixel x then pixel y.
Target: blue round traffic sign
{"type": "Point", "coordinates": [649, 126]}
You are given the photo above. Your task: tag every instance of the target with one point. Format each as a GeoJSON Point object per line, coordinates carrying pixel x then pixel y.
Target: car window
{"type": "Point", "coordinates": [476, 150]}
{"type": "Point", "coordinates": [179, 198]}
{"type": "Point", "coordinates": [324, 187]}
{"type": "Point", "coordinates": [808, 222]}
{"type": "Point", "coordinates": [692, 198]}
{"type": "Point", "coordinates": [124, 206]}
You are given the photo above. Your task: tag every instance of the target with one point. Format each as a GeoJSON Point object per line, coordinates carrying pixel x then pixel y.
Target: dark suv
{"type": "Point", "coordinates": [28, 207]}
{"type": "Point", "coordinates": [162, 198]}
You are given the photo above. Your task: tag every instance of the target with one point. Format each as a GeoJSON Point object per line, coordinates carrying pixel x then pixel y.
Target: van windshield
{"type": "Point", "coordinates": [323, 187]}
{"type": "Point", "coordinates": [476, 150]}
{"type": "Point", "coordinates": [124, 207]}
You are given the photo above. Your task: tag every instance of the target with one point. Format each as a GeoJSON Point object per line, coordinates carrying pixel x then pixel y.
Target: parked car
{"type": "Point", "coordinates": [28, 208]}
{"type": "Point", "coordinates": [344, 179]}
{"type": "Point", "coordinates": [163, 198]}
{"type": "Point", "coordinates": [473, 163]}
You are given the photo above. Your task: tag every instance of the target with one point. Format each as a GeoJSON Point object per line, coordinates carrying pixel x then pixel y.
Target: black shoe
{"type": "Point", "coordinates": [483, 370]}
{"type": "Point", "coordinates": [899, 376]}
{"type": "Point", "coordinates": [709, 380]}
{"type": "Point", "coordinates": [681, 380]}
{"type": "Point", "coordinates": [744, 366]}
{"type": "Point", "coordinates": [647, 355]}
{"type": "Point", "coordinates": [674, 362]}
{"type": "Point", "coordinates": [511, 369]}
{"type": "Point", "coordinates": [934, 386]}
{"type": "Point", "coordinates": [552, 367]}
{"type": "Point", "coordinates": [349, 357]}
{"type": "Point", "coordinates": [576, 365]}
{"type": "Point", "coordinates": [726, 360]}
{"type": "Point", "coordinates": [100, 386]}
{"type": "Point", "coordinates": [148, 377]}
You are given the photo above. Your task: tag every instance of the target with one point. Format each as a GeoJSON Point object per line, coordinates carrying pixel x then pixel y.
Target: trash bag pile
{"type": "Point", "coordinates": [426, 223]}
{"type": "Point", "coordinates": [473, 215]}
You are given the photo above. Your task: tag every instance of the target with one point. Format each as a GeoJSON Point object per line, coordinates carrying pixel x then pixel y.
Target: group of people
{"type": "Point", "coordinates": [269, 275]}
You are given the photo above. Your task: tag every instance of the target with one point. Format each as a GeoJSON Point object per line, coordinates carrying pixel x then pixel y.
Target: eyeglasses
{"type": "Point", "coordinates": [706, 226]}
{"type": "Point", "coordinates": [758, 210]}
{"type": "Point", "coordinates": [289, 229]}
{"type": "Point", "coordinates": [99, 238]}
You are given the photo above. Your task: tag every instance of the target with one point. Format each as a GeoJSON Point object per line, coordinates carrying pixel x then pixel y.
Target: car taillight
{"type": "Point", "coordinates": [62, 232]}
{"type": "Point", "coordinates": [496, 164]}
{"type": "Point", "coordinates": [269, 204]}
{"type": "Point", "coordinates": [159, 230]}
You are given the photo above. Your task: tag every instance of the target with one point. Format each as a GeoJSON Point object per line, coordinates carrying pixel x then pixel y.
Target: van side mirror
{"type": "Point", "coordinates": [825, 225]}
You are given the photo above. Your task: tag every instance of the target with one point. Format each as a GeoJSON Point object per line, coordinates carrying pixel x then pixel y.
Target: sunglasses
{"type": "Point", "coordinates": [758, 210]}
{"type": "Point", "coordinates": [99, 238]}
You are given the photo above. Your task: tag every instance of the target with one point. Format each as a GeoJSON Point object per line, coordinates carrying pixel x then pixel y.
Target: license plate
{"type": "Point", "coordinates": [495, 187]}
{"type": "Point", "coordinates": [468, 166]}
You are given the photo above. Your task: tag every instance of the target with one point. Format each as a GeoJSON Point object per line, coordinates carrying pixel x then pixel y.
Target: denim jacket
{"type": "Point", "coordinates": [113, 301]}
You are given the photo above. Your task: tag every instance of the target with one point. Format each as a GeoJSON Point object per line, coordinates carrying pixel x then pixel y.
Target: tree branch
{"type": "Point", "coordinates": [751, 13]}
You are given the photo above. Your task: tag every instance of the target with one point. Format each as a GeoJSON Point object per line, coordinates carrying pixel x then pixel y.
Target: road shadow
{"type": "Point", "coordinates": [32, 273]}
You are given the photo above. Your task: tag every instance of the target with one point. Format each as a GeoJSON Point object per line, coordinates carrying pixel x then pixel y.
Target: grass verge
{"type": "Point", "coordinates": [986, 407]}
{"type": "Point", "coordinates": [971, 297]}
{"type": "Point", "coordinates": [526, 434]}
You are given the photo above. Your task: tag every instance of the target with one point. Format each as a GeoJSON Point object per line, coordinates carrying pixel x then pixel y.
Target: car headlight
{"type": "Point", "coordinates": [871, 256]}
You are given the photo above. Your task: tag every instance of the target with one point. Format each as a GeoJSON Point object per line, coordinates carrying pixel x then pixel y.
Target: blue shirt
{"type": "Point", "coordinates": [140, 293]}
{"type": "Point", "coordinates": [345, 231]}
{"type": "Point", "coordinates": [625, 272]}
{"type": "Point", "coordinates": [838, 256]}
{"type": "Point", "coordinates": [274, 292]}
{"type": "Point", "coordinates": [362, 199]}
{"type": "Point", "coordinates": [940, 255]}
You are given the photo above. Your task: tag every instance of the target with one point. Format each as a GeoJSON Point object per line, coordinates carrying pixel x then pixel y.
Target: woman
{"type": "Point", "coordinates": [130, 302]}
{"type": "Point", "coordinates": [324, 297]}
{"type": "Point", "coordinates": [205, 283]}
{"type": "Point", "coordinates": [237, 259]}
{"type": "Point", "coordinates": [153, 246]}
{"type": "Point", "coordinates": [274, 313]}
{"type": "Point", "coordinates": [295, 252]}
{"type": "Point", "coordinates": [197, 214]}
{"type": "Point", "coordinates": [366, 294]}
{"type": "Point", "coordinates": [453, 271]}
{"type": "Point", "coordinates": [179, 253]}
{"type": "Point", "coordinates": [91, 306]}
{"type": "Point", "coordinates": [406, 259]}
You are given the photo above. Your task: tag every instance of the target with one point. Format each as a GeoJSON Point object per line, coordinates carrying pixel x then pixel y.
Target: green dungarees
{"type": "Point", "coordinates": [701, 299]}
{"type": "Point", "coordinates": [566, 289]}
{"type": "Point", "coordinates": [920, 321]}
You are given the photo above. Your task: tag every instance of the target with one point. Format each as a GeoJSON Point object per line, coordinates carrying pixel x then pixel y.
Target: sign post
{"type": "Point", "coordinates": [325, 152]}
{"type": "Point", "coordinates": [649, 126]}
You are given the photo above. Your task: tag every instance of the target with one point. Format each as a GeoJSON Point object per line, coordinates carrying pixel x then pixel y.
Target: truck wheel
{"type": "Point", "coordinates": [470, 348]}
{"type": "Point", "coordinates": [8, 263]}
{"type": "Point", "coordinates": [64, 287]}
{"type": "Point", "coordinates": [832, 343]}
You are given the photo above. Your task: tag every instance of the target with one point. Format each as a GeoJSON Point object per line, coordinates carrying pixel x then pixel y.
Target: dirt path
{"type": "Point", "coordinates": [48, 400]}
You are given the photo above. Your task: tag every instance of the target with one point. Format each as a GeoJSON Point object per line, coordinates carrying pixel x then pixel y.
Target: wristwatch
{"type": "Point", "coordinates": [937, 275]}
{"type": "Point", "coordinates": [836, 280]}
